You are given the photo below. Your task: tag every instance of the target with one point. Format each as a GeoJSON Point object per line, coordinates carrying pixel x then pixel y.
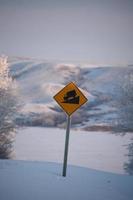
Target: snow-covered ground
{"type": "Point", "coordinates": [21, 180]}
{"type": "Point", "coordinates": [97, 150]}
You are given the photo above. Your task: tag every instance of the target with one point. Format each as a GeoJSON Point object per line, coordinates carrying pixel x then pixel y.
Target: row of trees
{"type": "Point", "coordinates": [8, 109]}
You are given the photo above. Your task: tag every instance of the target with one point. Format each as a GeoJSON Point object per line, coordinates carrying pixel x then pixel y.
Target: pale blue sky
{"type": "Point", "coordinates": [96, 31]}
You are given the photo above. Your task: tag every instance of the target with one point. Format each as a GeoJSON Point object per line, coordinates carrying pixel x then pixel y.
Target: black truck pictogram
{"type": "Point", "coordinates": [71, 97]}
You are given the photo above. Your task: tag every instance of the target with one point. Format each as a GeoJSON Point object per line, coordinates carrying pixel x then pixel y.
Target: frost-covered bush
{"type": "Point", "coordinates": [8, 109]}
{"type": "Point", "coordinates": [124, 103]}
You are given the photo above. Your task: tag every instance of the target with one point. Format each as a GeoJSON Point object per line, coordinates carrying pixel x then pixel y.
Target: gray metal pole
{"type": "Point", "coordinates": [66, 146]}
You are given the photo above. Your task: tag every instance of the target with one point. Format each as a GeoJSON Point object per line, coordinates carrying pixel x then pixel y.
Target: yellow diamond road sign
{"type": "Point", "coordinates": [70, 98]}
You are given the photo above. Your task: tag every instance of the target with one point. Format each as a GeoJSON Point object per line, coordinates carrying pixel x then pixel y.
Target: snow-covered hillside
{"type": "Point", "coordinates": [39, 81]}
{"type": "Point", "coordinates": [21, 180]}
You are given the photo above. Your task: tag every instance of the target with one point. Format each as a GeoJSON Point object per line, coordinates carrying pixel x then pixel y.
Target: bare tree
{"type": "Point", "coordinates": [8, 109]}
{"type": "Point", "coordinates": [124, 105]}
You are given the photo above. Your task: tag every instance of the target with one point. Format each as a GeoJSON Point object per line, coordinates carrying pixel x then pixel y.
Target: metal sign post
{"type": "Point", "coordinates": [66, 146]}
{"type": "Point", "coordinates": [70, 98]}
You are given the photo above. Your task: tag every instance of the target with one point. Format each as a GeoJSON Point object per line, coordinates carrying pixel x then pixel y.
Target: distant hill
{"type": "Point", "coordinates": [39, 81]}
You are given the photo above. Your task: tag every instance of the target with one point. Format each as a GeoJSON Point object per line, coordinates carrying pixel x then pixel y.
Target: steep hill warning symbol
{"type": "Point", "coordinates": [70, 98]}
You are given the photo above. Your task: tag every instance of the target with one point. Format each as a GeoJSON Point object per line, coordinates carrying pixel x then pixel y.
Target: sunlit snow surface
{"type": "Point", "coordinates": [96, 150]}
{"type": "Point", "coordinates": [39, 181]}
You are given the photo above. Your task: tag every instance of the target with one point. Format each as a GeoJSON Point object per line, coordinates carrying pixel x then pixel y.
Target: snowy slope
{"type": "Point", "coordinates": [21, 180]}
{"type": "Point", "coordinates": [39, 81]}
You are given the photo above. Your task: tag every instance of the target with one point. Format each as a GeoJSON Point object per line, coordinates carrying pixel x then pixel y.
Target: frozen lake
{"type": "Point", "coordinates": [97, 150]}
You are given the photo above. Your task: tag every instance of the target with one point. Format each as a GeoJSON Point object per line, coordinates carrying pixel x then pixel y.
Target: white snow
{"type": "Point", "coordinates": [39, 80]}
{"type": "Point", "coordinates": [21, 180]}
{"type": "Point", "coordinates": [67, 69]}
{"type": "Point", "coordinates": [50, 88]}
{"type": "Point", "coordinates": [37, 108]}
{"type": "Point", "coordinates": [96, 150]}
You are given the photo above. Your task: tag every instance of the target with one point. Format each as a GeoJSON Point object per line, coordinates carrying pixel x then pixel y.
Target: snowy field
{"type": "Point", "coordinates": [21, 180]}
{"type": "Point", "coordinates": [97, 150]}
{"type": "Point", "coordinates": [38, 176]}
